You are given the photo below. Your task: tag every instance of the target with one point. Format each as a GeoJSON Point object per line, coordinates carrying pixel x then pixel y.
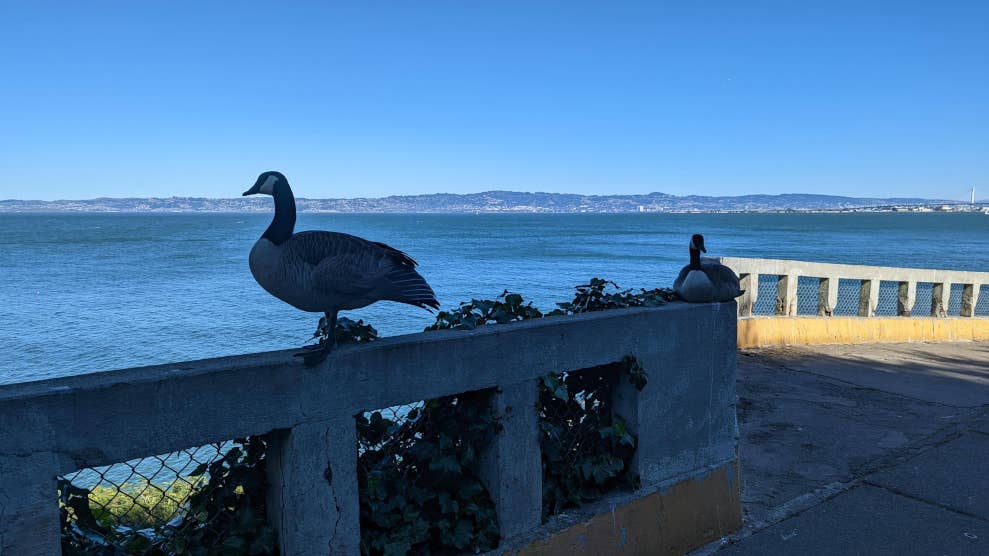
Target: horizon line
{"type": "Point", "coordinates": [652, 193]}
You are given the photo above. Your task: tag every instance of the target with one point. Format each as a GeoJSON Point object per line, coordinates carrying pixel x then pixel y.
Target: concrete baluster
{"type": "Point", "coordinates": [970, 298]}
{"type": "Point", "coordinates": [746, 303]}
{"type": "Point", "coordinates": [940, 298]}
{"type": "Point", "coordinates": [511, 467]}
{"type": "Point", "coordinates": [906, 297]}
{"type": "Point", "coordinates": [827, 296]}
{"type": "Point", "coordinates": [29, 514]}
{"type": "Point", "coordinates": [868, 298]}
{"type": "Point", "coordinates": [666, 446]}
{"type": "Point", "coordinates": [312, 495]}
{"type": "Point", "coordinates": [786, 295]}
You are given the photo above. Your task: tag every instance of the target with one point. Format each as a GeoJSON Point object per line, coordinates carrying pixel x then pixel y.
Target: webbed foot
{"type": "Point", "coordinates": [315, 354]}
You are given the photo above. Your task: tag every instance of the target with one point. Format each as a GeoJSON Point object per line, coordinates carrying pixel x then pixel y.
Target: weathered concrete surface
{"type": "Point", "coordinates": [953, 374]}
{"type": "Point", "coordinates": [312, 493]}
{"type": "Point", "coordinates": [511, 467]}
{"type": "Point", "coordinates": [670, 521]}
{"type": "Point", "coordinates": [945, 475]}
{"type": "Point", "coordinates": [864, 450]}
{"type": "Point", "coordinates": [29, 514]}
{"type": "Point", "coordinates": [214, 400]}
{"type": "Point", "coordinates": [801, 431]}
{"type": "Point", "coordinates": [780, 267]}
{"type": "Point", "coordinates": [872, 521]}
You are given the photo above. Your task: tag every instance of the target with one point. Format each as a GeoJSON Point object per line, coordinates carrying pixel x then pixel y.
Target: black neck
{"type": "Point", "coordinates": [695, 259]}
{"type": "Point", "coordinates": [283, 224]}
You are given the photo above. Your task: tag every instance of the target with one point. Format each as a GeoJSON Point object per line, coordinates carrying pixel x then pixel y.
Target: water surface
{"type": "Point", "coordinates": [90, 292]}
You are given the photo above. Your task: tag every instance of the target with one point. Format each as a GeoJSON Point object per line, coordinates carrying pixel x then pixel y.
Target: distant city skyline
{"type": "Point", "coordinates": [350, 100]}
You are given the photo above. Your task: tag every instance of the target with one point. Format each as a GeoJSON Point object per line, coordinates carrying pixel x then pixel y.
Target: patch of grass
{"type": "Point", "coordinates": [141, 504]}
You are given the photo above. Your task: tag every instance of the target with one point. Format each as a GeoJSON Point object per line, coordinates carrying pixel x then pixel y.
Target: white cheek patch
{"type": "Point", "coordinates": [268, 187]}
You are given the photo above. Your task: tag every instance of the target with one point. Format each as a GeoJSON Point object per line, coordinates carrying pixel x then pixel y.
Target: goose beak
{"type": "Point", "coordinates": [255, 189]}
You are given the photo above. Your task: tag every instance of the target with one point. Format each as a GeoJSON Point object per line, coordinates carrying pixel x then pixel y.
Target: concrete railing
{"type": "Point", "coordinates": [869, 277]}
{"type": "Point", "coordinates": [684, 419]}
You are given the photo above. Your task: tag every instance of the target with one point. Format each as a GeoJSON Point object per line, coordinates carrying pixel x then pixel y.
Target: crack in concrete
{"type": "Point", "coordinates": [914, 497]}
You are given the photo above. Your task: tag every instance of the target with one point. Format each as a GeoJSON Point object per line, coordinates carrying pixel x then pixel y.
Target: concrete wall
{"type": "Point", "coordinates": [685, 417]}
{"type": "Point", "coordinates": [786, 328]}
{"type": "Point", "coordinates": [795, 331]}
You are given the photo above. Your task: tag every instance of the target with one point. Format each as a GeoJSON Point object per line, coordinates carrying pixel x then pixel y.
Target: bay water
{"type": "Point", "coordinates": [91, 292]}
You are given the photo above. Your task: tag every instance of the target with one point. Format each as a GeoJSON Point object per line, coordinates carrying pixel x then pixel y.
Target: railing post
{"type": "Point", "coordinates": [29, 513]}
{"type": "Point", "coordinates": [940, 298]}
{"type": "Point", "coordinates": [746, 303]}
{"type": "Point", "coordinates": [906, 297]}
{"type": "Point", "coordinates": [511, 467]}
{"type": "Point", "coordinates": [701, 425]}
{"type": "Point", "coordinates": [312, 495]}
{"type": "Point", "coordinates": [868, 298]}
{"type": "Point", "coordinates": [970, 298]}
{"type": "Point", "coordinates": [786, 295]}
{"type": "Point", "coordinates": [827, 296]}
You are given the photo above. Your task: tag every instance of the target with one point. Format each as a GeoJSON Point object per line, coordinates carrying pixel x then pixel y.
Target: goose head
{"type": "Point", "coordinates": [267, 183]}
{"type": "Point", "coordinates": [697, 243]}
{"type": "Point", "coordinates": [283, 224]}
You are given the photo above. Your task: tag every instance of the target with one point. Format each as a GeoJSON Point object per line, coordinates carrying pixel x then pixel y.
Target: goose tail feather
{"type": "Point", "coordinates": [410, 287]}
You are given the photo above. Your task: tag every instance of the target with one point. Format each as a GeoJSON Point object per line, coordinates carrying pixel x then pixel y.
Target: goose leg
{"type": "Point", "coordinates": [314, 355]}
{"type": "Point", "coordinates": [331, 331]}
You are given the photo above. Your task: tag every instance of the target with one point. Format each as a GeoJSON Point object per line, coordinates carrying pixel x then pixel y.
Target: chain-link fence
{"type": "Point", "coordinates": [807, 294]}
{"type": "Point", "coordinates": [586, 447]}
{"type": "Point", "coordinates": [203, 500]}
{"type": "Point", "coordinates": [849, 292]}
{"type": "Point", "coordinates": [955, 301]}
{"type": "Point", "coordinates": [982, 307]}
{"type": "Point", "coordinates": [765, 303]}
{"type": "Point", "coordinates": [923, 300]}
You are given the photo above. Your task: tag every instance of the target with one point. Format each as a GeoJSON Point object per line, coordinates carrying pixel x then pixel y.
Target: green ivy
{"type": "Point", "coordinates": [600, 295]}
{"type": "Point", "coordinates": [586, 449]}
{"type": "Point", "coordinates": [509, 307]}
{"type": "Point", "coordinates": [419, 488]}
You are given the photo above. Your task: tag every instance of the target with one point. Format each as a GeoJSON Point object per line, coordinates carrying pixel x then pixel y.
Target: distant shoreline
{"type": "Point", "coordinates": [504, 202]}
{"type": "Point", "coordinates": [857, 210]}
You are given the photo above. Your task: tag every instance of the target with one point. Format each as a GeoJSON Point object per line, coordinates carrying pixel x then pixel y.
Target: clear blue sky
{"type": "Point", "coordinates": [157, 98]}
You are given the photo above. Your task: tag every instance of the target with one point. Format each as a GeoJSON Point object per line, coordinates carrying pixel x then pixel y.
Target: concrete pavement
{"type": "Point", "coordinates": [867, 449]}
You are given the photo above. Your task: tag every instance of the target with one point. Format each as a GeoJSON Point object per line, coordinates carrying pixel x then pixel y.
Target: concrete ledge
{"type": "Point", "coordinates": [92, 420]}
{"type": "Point", "coordinates": [779, 331]}
{"type": "Point", "coordinates": [673, 520]}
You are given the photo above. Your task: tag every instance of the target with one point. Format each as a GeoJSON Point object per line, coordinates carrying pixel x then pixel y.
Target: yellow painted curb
{"type": "Point", "coordinates": [788, 331]}
{"type": "Point", "coordinates": [670, 522]}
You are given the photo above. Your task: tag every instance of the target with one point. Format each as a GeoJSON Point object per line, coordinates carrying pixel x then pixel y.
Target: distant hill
{"type": "Point", "coordinates": [486, 202]}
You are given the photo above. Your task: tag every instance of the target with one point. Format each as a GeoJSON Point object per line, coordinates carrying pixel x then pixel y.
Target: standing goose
{"type": "Point", "coordinates": [706, 282]}
{"type": "Point", "coordinates": [328, 272]}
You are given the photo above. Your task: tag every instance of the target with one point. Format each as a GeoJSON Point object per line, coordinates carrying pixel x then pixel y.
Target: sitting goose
{"type": "Point", "coordinates": [706, 282]}
{"type": "Point", "coordinates": [327, 272]}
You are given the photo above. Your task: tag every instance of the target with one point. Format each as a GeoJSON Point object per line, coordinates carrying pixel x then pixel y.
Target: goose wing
{"type": "Point", "coordinates": [724, 279]}
{"type": "Point", "coordinates": [683, 276]}
{"type": "Point", "coordinates": [358, 270]}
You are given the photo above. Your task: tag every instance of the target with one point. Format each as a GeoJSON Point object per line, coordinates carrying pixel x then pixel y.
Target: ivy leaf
{"type": "Point", "coordinates": [397, 549]}
{"type": "Point", "coordinates": [463, 533]}
{"type": "Point", "coordinates": [446, 464]}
